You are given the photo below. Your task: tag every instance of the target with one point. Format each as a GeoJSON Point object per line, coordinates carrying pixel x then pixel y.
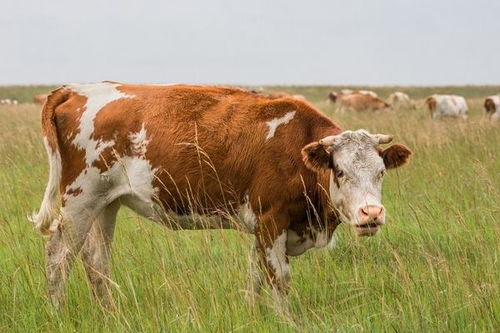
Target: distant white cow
{"type": "Point", "coordinates": [492, 107]}
{"type": "Point", "coordinates": [8, 101]}
{"type": "Point", "coordinates": [400, 100]}
{"type": "Point", "coordinates": [447, 106]}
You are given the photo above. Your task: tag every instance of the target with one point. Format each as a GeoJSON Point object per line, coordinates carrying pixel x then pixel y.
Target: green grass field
{"type": "Point", "coordinates": [433, 268]}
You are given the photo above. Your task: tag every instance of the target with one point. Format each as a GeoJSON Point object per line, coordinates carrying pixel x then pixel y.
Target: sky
{"type": "Point", "coordinates": [256, 42]}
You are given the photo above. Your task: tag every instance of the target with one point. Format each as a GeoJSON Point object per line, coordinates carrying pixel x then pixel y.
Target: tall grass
{"type": "Point", "coordinates": [433, 267]}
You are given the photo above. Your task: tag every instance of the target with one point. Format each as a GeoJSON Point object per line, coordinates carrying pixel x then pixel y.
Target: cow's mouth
{"type": "Point", "coordinates": [367, 225]}
{"type": "Point", "coordinates": [367, 229]}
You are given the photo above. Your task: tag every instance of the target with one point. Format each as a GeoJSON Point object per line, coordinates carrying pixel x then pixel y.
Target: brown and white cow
{"type": "Point", "coordinates": [277, 168]}
{"type": "Point", "coordinates": [357, 101]}
{"type": "Point", "coordinates": [400, 101]}
{"type": "Point", "coordinates": [492, 107]}
{"type": "Point", "coordinates": [447, 106]}
{"type": "Point", "coordinates": [332, 96]}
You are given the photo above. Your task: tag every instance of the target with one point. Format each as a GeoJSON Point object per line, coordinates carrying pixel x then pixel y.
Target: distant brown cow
{"type": "Point", "coordinates": [40, 98]}
{"type": "Point", "coordinates": [357, 101]}
{"type": "Point", "coordinates": [283, 94]}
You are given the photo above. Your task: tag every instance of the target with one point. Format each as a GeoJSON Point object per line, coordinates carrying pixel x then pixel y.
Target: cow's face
{"type": "Point", "coordinates": [357, 167]}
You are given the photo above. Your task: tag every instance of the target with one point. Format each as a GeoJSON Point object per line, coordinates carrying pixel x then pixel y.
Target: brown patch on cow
{"type": "Point", "coordinates": [395, 155]}
{"type": "Point", "coordinates": [74, 192]}
{"type": "Point", "coordinates": [67, 116]}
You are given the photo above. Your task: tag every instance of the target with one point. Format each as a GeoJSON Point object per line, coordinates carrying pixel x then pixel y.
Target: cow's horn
{"type": "Point", "coordinates": [327, 141]}
{"type": "Point", "coordinates": [383, 138]}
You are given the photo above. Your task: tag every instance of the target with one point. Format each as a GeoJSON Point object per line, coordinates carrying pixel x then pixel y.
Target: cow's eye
{"type": "Point", "coordinates": [382, 173]}
{"type": "Point", "coordinates": [340, 173]}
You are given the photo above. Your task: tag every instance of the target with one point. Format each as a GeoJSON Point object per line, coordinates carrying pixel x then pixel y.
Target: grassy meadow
{"type": "Point", "coordinates": [434, 267]}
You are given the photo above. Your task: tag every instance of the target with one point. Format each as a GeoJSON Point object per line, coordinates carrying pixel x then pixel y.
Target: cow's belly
{"type": "Point", "coordinates": [244, 219]}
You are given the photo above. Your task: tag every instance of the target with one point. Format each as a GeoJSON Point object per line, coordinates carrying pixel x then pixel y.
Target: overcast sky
{"type": "Point", "coordinates": [386, 42]}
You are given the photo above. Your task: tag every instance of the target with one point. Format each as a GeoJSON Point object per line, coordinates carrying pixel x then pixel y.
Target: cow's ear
{"type": "Point", "coordinates": [317, 156]}
{"type": "Point", "coordinates": [395, 156]}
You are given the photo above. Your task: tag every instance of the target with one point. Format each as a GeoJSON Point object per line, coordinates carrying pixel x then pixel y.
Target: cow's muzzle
{"type": "Point", "coordinates": [370, 219]}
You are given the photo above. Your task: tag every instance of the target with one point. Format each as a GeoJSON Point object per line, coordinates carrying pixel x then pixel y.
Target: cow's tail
{"type": "Point", "coordinates": [46, 219]}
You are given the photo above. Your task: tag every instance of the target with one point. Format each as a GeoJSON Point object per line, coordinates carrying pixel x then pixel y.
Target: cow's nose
{"type": "Point", "coordinates": [372, 213]}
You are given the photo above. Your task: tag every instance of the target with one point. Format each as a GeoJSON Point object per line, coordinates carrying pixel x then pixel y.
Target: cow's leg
{"type": "Point", "coordinates": [270, 246]}
{"type": "Point", "coordinates": [96, 253]}
{"type": "Point", "coordinates": [255, 275]}
{"type": "Point", "coordinates": [63, 247]}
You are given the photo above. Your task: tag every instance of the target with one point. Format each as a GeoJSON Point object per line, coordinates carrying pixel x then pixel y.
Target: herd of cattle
{"type": "Point", "coordinates": [366, 100]}
{"type": "Point", "coordinates": [438, 105]}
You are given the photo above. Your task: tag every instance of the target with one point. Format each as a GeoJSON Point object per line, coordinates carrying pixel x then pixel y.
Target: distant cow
{"type": "Point", "coordinates": [400, 100]}
{"type": "Point", "coordinates": [357, 101]}
{"type": "Point", "coordinates": [276, 168]}
{"type": "Point", "coordinates": [447, 106]}
{"type": "Point", "coordinates": [365, 92]}
{"type": "Point", "coordinates": [283, 94]}
{"type": "Point", "coordinates": [40, 98]}
{"type": "Point", "coordinates": [492, 107]}
{"type": "Point", "coordinates": [8, 101]}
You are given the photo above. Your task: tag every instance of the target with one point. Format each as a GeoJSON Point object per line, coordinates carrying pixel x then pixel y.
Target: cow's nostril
{"type": "Point", "coordinates": [363, 212]}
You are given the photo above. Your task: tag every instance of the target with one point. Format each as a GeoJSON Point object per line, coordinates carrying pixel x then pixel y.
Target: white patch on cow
{"type": "Point", "coordinates": [98, 96]}
{"type": "Point", "coordinates": [296, 245]}
{"type": "Point", "coordinates": [247, 215]}
{"type": "Point", "coordinates": [45, 219]}
{"type": "Point", "coordinates": [139, 141]}
{"type": "Point", "coordinates": [276, 256]}
{"type": "Point", "coordinates": [129, 178]}
{"type": "Point", "coordinates": [273, 124]}
{"type": "Point", "coordinates": [321, 239]}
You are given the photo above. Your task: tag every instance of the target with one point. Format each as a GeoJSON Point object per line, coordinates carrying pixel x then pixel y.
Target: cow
{"type": "Point", "coordinates": [202, 157]}
{"type": "Point", "coordinates": [492, 107]}
{"type": "Point", "coordinates": [333, 95]}
{"type": "Point", "coordinates": [399, 100]}
{"type": "Point", "coordinates": [447, 106]}
{"type": "Point", "coordinates": [357, 101]}
{"type": "Point", "coordinates": [40, 98]}
{"type": "Point", "coordinates": [8, 101]}
{"type": "Point", "coordinates": [367, 92]}
{"type": "Point", "coordinates": [282, 94]}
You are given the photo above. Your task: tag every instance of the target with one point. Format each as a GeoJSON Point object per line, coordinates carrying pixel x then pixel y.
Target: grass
{"type": "Point", "coordinates": [433, 268]}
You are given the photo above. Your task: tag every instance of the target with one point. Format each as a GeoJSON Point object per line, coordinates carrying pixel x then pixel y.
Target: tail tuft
{"type": "Point", "coordinates": [46, 220]}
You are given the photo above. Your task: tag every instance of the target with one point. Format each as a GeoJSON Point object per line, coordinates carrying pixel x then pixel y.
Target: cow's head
{"type": "Point", "coordinates": [357, 166]}
{"type": "Point", "coordinates": [332, 96]}
{"type": "Point", "coordinates": [489, 106]}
